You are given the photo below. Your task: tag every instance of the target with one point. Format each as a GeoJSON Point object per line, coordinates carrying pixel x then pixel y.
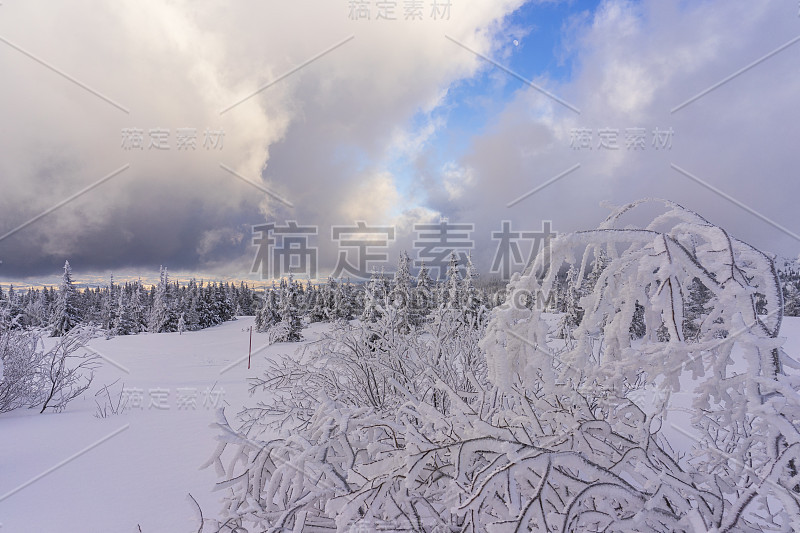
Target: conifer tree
{"type": "Point", "coordinates": [471, 295]}
{"type": "Point", "coordinates": [65, 316]}
{"type": "Point", "coordinates": [342, 304]}
{"type": "Point", "coordinates": [160, 313]}
{"type": "Point", "coordinates": [373, 303]}
{"type": "Point", "coordinates": [400, 297]}
{"type": "Point", "coordinates": [452, 284]}
{"type": "Point", "coordinates": [267, 315]}
{"type": "Point", "coordinates": [289, 328]}
{"type": "Point", "coordinates": [423, 296]}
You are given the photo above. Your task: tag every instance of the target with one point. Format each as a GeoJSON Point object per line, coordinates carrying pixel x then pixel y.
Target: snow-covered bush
{"type": "Point", "coordinates": [345, 404]}
{"type": "Point", "coordinates": [21, 360]}
{"type": "Point", "coordinates": [530, 429]}
{"type": "Point", "coordinates": [745, 405]}
{"type": "Point", "coordinates": [44, 378]}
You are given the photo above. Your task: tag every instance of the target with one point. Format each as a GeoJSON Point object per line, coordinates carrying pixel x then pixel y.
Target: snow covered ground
{"type": "Point", "coordinates": [147, 462]}
{"type": "Point", "coordinates": [132, 472]}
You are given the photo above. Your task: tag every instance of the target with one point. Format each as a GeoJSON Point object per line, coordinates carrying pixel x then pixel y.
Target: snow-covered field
{"type": "Point", "coordinates": [132, 472]}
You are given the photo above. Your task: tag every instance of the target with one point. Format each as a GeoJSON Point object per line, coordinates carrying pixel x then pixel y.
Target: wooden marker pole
{"type": "Point", "coordinates": [250, 350]}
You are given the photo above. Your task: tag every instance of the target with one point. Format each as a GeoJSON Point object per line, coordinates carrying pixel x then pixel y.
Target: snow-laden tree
{"type": "Point", "coordinates": [267, 315]}
{"type": "Point", "coordinates": [181, 324]}
{"type": "Point", "coordinates": [569, 300]}
{"type": "Point", "coordinates": [289, 326]}
{"type": "Point", "coordinates": [400, 296]}
{"type": "Point", "coordinates": [343, 304]}
{"type": "Point", "coordinates": [423, 296]}
{"type": "Point", "coordinates": [66, 315]}
{"type": "Point", "coordinates": [452, 294]}
{"type": "Point", "coordinates": [161, 312]}
{"type": "Point", "coordinates": [315, 304]}
{"type": "Point", "coordinates": [123, 319]}
{"type": "Point", "coordinates": [472, 305]}
{"type": "Point", "coordinates": [374, 301]}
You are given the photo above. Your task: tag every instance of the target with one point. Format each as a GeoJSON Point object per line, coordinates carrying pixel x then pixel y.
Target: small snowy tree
{"type": "Point", "coordinates": [181, 324]}
{"type": "Point", "coordinates": [400, 296]}
{"type": "Point", "coordinates": [267, 315]}
{"type": "Point", "coordinates": [65, 316]}
{"type": "Point", "coordinates": [289, 327]}
{"type": "Point", "coordinates": [373, 299]}
{"type": "Point", "coordinates": [452, 294]}
{"type": "Point", "coordinates": [123, 322]}
{"type": "Point", "coordinates": [160, 314]}
{"type": "Point", "coordinates": [423, 296]}
{"type": "Point", "coordinates": [342, 302]}
{"type": "Point", "coordinates": [473, 308]}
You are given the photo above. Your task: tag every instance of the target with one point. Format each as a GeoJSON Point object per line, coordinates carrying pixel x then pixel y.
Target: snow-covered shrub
{"type": "Point", "coordinates": [45, 379]}
{"type": "Point", "coordinates": [355, 399]}
{"type": "Point", "coordinates": [745, 405]}
{"type": "Point", "coordinates": [21, 361]}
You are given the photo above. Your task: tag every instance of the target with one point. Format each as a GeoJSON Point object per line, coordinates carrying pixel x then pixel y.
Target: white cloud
{"type": "Point", "coordinates": [635, 62]}
{"type": "Point", "coordinates": [457, 179]}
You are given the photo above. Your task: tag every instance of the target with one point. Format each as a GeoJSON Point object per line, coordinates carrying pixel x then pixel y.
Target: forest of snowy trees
{"type": "Point", "coordinates": [127, 308]}
{"type": "Point", "coordinates": [289, 305]}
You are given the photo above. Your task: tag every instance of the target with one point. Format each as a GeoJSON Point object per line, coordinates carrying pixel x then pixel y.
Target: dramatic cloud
{"type": "Point", "coordinates": [365, 131]}
{"type": "Point", "coordinates": [312, 138]}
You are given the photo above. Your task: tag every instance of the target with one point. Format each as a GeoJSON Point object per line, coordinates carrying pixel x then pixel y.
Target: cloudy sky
{"type": "Point", "coordinates": [391, 120]}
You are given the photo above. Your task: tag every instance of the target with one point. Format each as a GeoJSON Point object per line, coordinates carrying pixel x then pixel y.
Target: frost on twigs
{"type": "Point", "coordinates": [745, 406]}
{"type": "Point", "coordinates": [531, 424]}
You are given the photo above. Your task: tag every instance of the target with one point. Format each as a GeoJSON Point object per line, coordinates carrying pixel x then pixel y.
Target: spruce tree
{"type": "Point", "coordinates": [400, 297]}
{"type": "Point", "coordinates": [452, 289]}
{"type": "Point", "coordinates": [423, 296]}
{"type": "Point", "coordinates": [471, 295]}
{"type": "Point", "coordinates": [65, 315]}
{"type": "Point", "coordinates": [160, 312]}
{"type": "Point", "coordinates": [373, 303]}
{"type": "Point", "coordinates": [290, 326]}
{"type": "Point", "coordinates": [267, 315]}
{"type": "Point", "coordinates": [342, 304]}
